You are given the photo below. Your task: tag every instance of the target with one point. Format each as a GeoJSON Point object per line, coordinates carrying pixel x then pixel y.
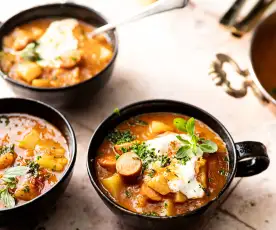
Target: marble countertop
{"type": "Point", "coordinates": [168, 56]}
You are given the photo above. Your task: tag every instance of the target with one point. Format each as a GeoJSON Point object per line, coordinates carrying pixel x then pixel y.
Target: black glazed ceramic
{"type": "Point", "coordinates": [44, 202]}
{"type": "Point", "coordinates": [245, 159]}
{"type": "Point", "coordinates": [70, 95]}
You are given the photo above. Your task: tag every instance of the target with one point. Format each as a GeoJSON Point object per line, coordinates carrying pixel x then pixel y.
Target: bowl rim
{"type": "Point", "coordinates": [73, 152]}
{"type": "Point", "coordinates": [45, 89]}
{"type": "Point", "coordinates": [111, 202]}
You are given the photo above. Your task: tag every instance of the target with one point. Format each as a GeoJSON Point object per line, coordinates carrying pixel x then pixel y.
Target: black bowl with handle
{"type": "Point", "coordinates": [246, 158]}
{"type": "Point", "coordinates": [31, 211]}
{"type": "Point", "coordinates": [69, 95]}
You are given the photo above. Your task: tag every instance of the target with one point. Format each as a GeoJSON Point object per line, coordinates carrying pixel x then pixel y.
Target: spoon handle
{"type": "Point", "coordinates": [154, 8]}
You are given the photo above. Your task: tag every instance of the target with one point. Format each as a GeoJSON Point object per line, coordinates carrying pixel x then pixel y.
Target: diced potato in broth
{"type": "Point", "coordinates": [182, 160]}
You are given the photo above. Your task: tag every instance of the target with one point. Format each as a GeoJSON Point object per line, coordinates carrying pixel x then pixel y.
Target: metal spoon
{"type": "Point", "coordinates": [154, 8]}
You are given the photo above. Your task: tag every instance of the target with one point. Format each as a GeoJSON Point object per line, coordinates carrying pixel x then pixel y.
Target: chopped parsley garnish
{"type": "Point", "coordinates": [4, 119]}
{"type": "Point", "coordinates": [117, 156]}
{"type": "Point", "coordinates": [128, 193]}
{"type": "Point", "coordinates": [120, 137]}
{"type": "Point", "coordinates": [124, 149]}
{"type": "Point", "coordinates": [145, 154]}
{"type": "Point", "coordinates": [210, 179]}
{"type": "Point", "coordinates": [165, 205]}
{"type": "Point", "coordinates": [151, 173]}
{"type": "Point", "coordinates": [165, 160]}
{"type": "Point", "coordinates": [222, 172]}
{"type": "Point", "coordinates": [6, 149]}
{"type": "Point", "coordinates": [26, 189]}
{"type": "Point", "coordinates": [226, 159]}
{"type": "Point", "coordinates": [34, 167]}
{"type": "Point", "coordinates": [150, 214]}
{"type": "Point", "coordinates": [74, 58]}
{"type": "Point", "coordinates": [195, 145]}
{"type": "Point", "coordinates": [136, 121]}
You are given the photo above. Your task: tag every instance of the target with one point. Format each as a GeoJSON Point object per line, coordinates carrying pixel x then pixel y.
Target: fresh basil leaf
{"type": "Point", "coordinates": [180, 124]}
{"type": "Point", "coordinates": [208, 146]}
{"type": "Point", "coordinates": [182, 140]}
{"type": "Point", "coordinates": [183, 151]}
{"type": "Point", "coordinates": [16, 171]}
{"type": "Point", "coordinates": [194, 139]}
{"type": "Point", "coordinates": [7, 199]}
{"type": "Point", "coordinates": [199, 152]}
{"type": "Point", "coordinates": [190, 126]}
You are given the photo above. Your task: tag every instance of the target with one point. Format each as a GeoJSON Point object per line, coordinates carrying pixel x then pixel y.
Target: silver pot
{"type": "Point", "coordinates": [262, 67]}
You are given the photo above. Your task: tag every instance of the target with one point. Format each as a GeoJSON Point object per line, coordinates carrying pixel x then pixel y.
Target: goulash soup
{"type": "Point", "coordinates": [162, 164]}
{"type": "Point", "coordinates": [54, 53]}
{"type": "Point", "coordinates": [33, 156]}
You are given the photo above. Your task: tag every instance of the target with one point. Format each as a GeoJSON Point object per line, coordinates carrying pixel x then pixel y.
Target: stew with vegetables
{"type": "Point", "coordinates": [54, 53]}
{"type": "Point", "coordinates": [33, 155]}
{"type": "Point", "coordinates": [162, 164]}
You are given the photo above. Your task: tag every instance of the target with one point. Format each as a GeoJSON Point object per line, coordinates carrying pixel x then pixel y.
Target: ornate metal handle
{"type": "Point", "coordinates": [219, 76]}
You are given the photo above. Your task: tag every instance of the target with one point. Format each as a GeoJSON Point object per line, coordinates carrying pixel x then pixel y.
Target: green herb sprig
{"type": "Point", "coordinates": [29, 52]}
{"type": "Point", "coordinates": [195, 145]}
{"type": "Point", "coordinates": [9, 181]}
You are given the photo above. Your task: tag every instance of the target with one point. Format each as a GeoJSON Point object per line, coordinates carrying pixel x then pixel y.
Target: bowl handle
{"type": "Point", "coordinates": [252, 158]}
{"type": "Point", "coordinates": [219, 76]}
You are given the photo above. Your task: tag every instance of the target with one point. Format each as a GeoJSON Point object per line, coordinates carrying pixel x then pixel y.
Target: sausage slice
{"type": "Point", "coordinates": [129, 165]}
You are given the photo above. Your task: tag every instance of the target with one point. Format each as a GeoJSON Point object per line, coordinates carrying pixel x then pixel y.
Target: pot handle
{"type": "Point", "coordinates": [252, 158]}
{"type": "Point", "coordinates": [219, 76]}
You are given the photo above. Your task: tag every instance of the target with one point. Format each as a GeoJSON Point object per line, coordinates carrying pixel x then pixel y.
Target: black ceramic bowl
{"type": "Point", "coordinates": [70, 95]}
{"type": "Point", "coordinates": [31, 211]}
{"type": "Point", "coordinates": [246, 159]}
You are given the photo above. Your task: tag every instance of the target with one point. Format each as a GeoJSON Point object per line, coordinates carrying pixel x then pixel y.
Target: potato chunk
{"type": "Point", "coordinates": [51, 147]}
{"type": "Point", "coordinates": [150, 193]}
{"type": "Point", "coordinates": [21, 39]}
{"type": "Point", "coordinates": [51, 162]}
{"type": "Point", "coordinates": [159, 127]}
{"type": "Point", "coordinates": [7, 60]}
{"type": "Point", "coordinates": [70, 58]}
{"type": "Point", "coordinates": [180, 197]}
{"type": "Point", "coordinates": [159, 184]}
{"type": "Point", "coordinates": [28, 71]}
{"type": "Point", "coordinates": [7, 160]}
{"type": "Point", "coordinates": [113, 184]}
{"type": "Point", "coordinates": [30, 140]}
{"type": "Point", "coordinates": [201, 172]}
{"type": "Point", "coordinates": [169, 207]}
{"type": "Point", "coordinates": [27, 192]}
{"type": "Point", "coordinates": [41, 83]}
{"type": "Point", "coordinates": [108, 162]}
{"type": "Point", "coordinates": [105, 55]}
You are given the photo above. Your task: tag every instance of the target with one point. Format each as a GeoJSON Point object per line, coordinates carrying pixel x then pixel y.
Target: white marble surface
{"type": "Point", "coordinates": [167, 56]}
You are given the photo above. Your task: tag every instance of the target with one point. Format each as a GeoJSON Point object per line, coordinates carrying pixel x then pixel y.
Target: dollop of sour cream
{"type": "Point", "coordinates": [56, 41]}
{"type": "Point", "coordinates": [185, 180]}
